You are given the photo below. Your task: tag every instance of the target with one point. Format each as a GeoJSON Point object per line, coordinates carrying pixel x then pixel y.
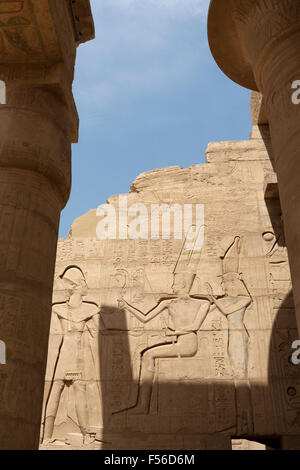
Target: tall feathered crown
{"type": "Point", "coordinates": [231, 257]}
{"type": "Point", "coordinates": [190, 254]}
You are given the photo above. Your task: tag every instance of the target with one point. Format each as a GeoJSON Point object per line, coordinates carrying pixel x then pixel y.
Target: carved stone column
{"type": "Point", "coordinates": [38, 123]}
{"type": "Point", "coordinates": [257, 44]}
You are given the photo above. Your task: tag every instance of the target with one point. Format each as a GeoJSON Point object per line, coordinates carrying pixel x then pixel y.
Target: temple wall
{"type": "Point", "coordinates": [235, 384]}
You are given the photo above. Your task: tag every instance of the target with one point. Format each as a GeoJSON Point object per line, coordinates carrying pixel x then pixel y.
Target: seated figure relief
{"type": "Point", "coordinates": [185, 317]}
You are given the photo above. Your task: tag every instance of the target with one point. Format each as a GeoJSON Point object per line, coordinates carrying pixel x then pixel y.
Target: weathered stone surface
{"type": "Point", "coordinates": [213, 361]}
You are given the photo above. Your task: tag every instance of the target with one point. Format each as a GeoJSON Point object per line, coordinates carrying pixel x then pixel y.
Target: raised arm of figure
{"type": "Point", "coordinates": [146, 317]}
{"type": "Point", "coordinates": [236, 305]}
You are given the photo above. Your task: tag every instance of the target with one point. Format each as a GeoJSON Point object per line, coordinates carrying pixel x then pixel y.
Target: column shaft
{"type": "Point", "coordinates": [34, 187]}
{"type": "Point", "coordinates": [279, 72]}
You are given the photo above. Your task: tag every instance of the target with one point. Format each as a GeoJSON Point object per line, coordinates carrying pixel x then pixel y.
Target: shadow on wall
{"type": "Point", "coordinates": [189, 403]}
{"type": "Point", "coordinates": [186, 412]}
{"type": "Point", "coordinates": [121, 385]}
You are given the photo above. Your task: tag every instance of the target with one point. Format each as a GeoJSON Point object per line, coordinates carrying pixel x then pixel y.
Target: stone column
{"type": "Point", "coordinates": [38, 123]}
{"type": "Point", "coordinates": [257, 44]}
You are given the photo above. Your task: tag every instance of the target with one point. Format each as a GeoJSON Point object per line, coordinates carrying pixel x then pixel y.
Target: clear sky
{"type": "Point", "coordinates": [149, 95]}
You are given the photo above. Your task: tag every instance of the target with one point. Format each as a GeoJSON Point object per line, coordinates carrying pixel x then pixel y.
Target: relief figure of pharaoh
{"type": "Point", "coordinates": [74, 317]}
{"type": "Point", "coordinates": [185, 315]}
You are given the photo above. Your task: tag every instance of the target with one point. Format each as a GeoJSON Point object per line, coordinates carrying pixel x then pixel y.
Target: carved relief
{"type": "Point", "coordinates": [76, 323]}
{"type": "Point", "coordinates": [234, 305]}
{"type": "Point", "coordinates": [187, 340]}
{"type": "Point", "coordinates": [12, 34]}
{"type": "Point", "coordinates": [264, 21]}
{"type": "Point", "coordinates": [268, 17]}
{"type": "Point", "coordinates": [279, 270]}
{"type": "Point", "coordinates": [11, 6]}
{"type": "Point", "coordinates": [13, 28]}
{"type": "Point", "coordinates": [283, 306]}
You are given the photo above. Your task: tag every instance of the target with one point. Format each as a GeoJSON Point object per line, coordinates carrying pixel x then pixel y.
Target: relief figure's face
{"type": "Point", "coordinates": [232, 285]}
{"type": "Point", "coordinates": [180, 285]}
{"type": "Point", "coordinates": [75, 289]}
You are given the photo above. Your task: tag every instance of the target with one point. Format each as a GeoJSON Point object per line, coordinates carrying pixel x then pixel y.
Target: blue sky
{"type": "Point", "coordinates": [149, 95]}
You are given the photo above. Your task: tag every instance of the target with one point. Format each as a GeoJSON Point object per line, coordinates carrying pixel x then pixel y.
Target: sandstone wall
{"type": "Point", "coordinates": [238, 382]}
